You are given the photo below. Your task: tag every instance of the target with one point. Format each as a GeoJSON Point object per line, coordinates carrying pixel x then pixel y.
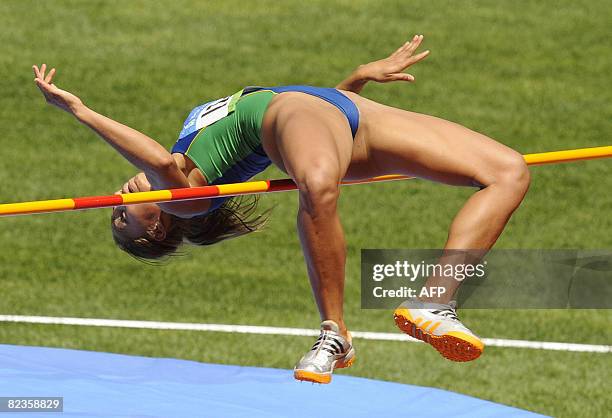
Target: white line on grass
{"type": "Point", "coordinates": [253, 329]}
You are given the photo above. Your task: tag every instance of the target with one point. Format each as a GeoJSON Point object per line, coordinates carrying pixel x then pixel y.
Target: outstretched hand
{"type": "Point", "coordinates": [54, 95]}
{"type": "Point", "coordinates": [392, 67]}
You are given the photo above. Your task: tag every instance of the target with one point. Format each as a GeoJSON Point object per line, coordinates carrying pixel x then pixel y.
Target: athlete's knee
{"type": "Point", "coordinates": [514, 173]}
{"type": "Point", "coordinates": [509, 172]}
{"type": "Point", "coordinates": [319, 190]}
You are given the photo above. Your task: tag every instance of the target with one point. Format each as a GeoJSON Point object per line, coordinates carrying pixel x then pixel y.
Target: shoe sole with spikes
{"type": "Point", "coordinates": [454, 345]}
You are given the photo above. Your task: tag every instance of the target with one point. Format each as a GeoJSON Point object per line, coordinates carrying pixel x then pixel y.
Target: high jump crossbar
{"type": "Point", "coordinates": [251, 187]}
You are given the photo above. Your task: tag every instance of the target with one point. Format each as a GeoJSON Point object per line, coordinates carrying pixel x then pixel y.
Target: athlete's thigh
{"type": "Point", "coordinates": [309, 139]}
{"type": "Point", "coordinates": [403, 142]}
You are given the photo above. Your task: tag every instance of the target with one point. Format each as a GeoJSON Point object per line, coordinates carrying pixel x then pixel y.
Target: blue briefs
{"type": "Point", "coordinates": [330, 95]}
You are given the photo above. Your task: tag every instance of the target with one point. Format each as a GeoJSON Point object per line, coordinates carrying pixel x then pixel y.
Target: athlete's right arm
{"type": "Point", "coordinates": [387, 69]}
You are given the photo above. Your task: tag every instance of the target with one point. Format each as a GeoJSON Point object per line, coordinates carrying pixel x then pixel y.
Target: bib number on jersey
{"type": "Point", "coordinates": [216, 110]}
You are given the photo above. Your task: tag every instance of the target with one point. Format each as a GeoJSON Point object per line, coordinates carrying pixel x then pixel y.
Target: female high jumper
{"type": "Point", "coordinates": [319, 137]}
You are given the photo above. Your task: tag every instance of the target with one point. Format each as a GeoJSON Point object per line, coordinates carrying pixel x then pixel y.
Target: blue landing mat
{"type": "Point", "coordinates": [111, 385]}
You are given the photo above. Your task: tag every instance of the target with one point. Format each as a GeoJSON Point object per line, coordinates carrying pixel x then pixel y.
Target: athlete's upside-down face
{"type": "Point", "coordinates": [136, 221]}
{"type": "Point", "coordinates": [145, 220]}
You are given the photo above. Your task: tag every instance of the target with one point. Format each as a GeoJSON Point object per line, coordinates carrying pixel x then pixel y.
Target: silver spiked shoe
{"type": "Point", "coordinates": [330, 351]}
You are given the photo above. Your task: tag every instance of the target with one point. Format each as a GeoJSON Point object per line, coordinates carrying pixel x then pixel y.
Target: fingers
{"type": "Point", "coordinates": [412, 46]}
{"type": "Point", "coordinates": [408, 45]}
{"type": "Point", "coordinates": [44, 87]}
{"type": "Point", "coordinates": [49, 77]}
{"type": "Point", "coordinates": [39, 73]}
{"type": "Point", "coordinates": [405, 61]}
{"type": "Point", "coordinates": [401, 77]}
{"type": "Point", "coordinates": [132, 186]}
{"type": "Point", "coordinates": [138, 183]}
{"type": "Point", "coordinates": [418, 57]}
{"type": "Point", "coordinates": [403, 48]}
{"type": "Point", "coordinates": [408, 48]}
{"type": "Point", "coordinates": [142, 182]}
{"type": "Point", "coordinates": [403, 54]}
{"type": "Point", "coordinates": [400, 49]}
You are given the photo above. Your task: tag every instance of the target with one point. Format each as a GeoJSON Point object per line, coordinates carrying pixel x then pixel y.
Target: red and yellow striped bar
{"type": "Point", "coordinates": [252, 187]}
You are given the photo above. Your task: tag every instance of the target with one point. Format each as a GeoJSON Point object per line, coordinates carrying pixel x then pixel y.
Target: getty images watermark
{"type": "Point", "coordinates": [410, 272]}
{"type": "Point", "coordinates": [495, 279]}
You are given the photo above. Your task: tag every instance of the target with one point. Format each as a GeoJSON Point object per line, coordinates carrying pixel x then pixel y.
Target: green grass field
{"type": "Point", "coordinates": [531, 74]}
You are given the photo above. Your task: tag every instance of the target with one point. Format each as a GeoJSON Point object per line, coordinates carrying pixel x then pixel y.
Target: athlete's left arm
{"type": "Point", "coordinates": [387, 69]}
